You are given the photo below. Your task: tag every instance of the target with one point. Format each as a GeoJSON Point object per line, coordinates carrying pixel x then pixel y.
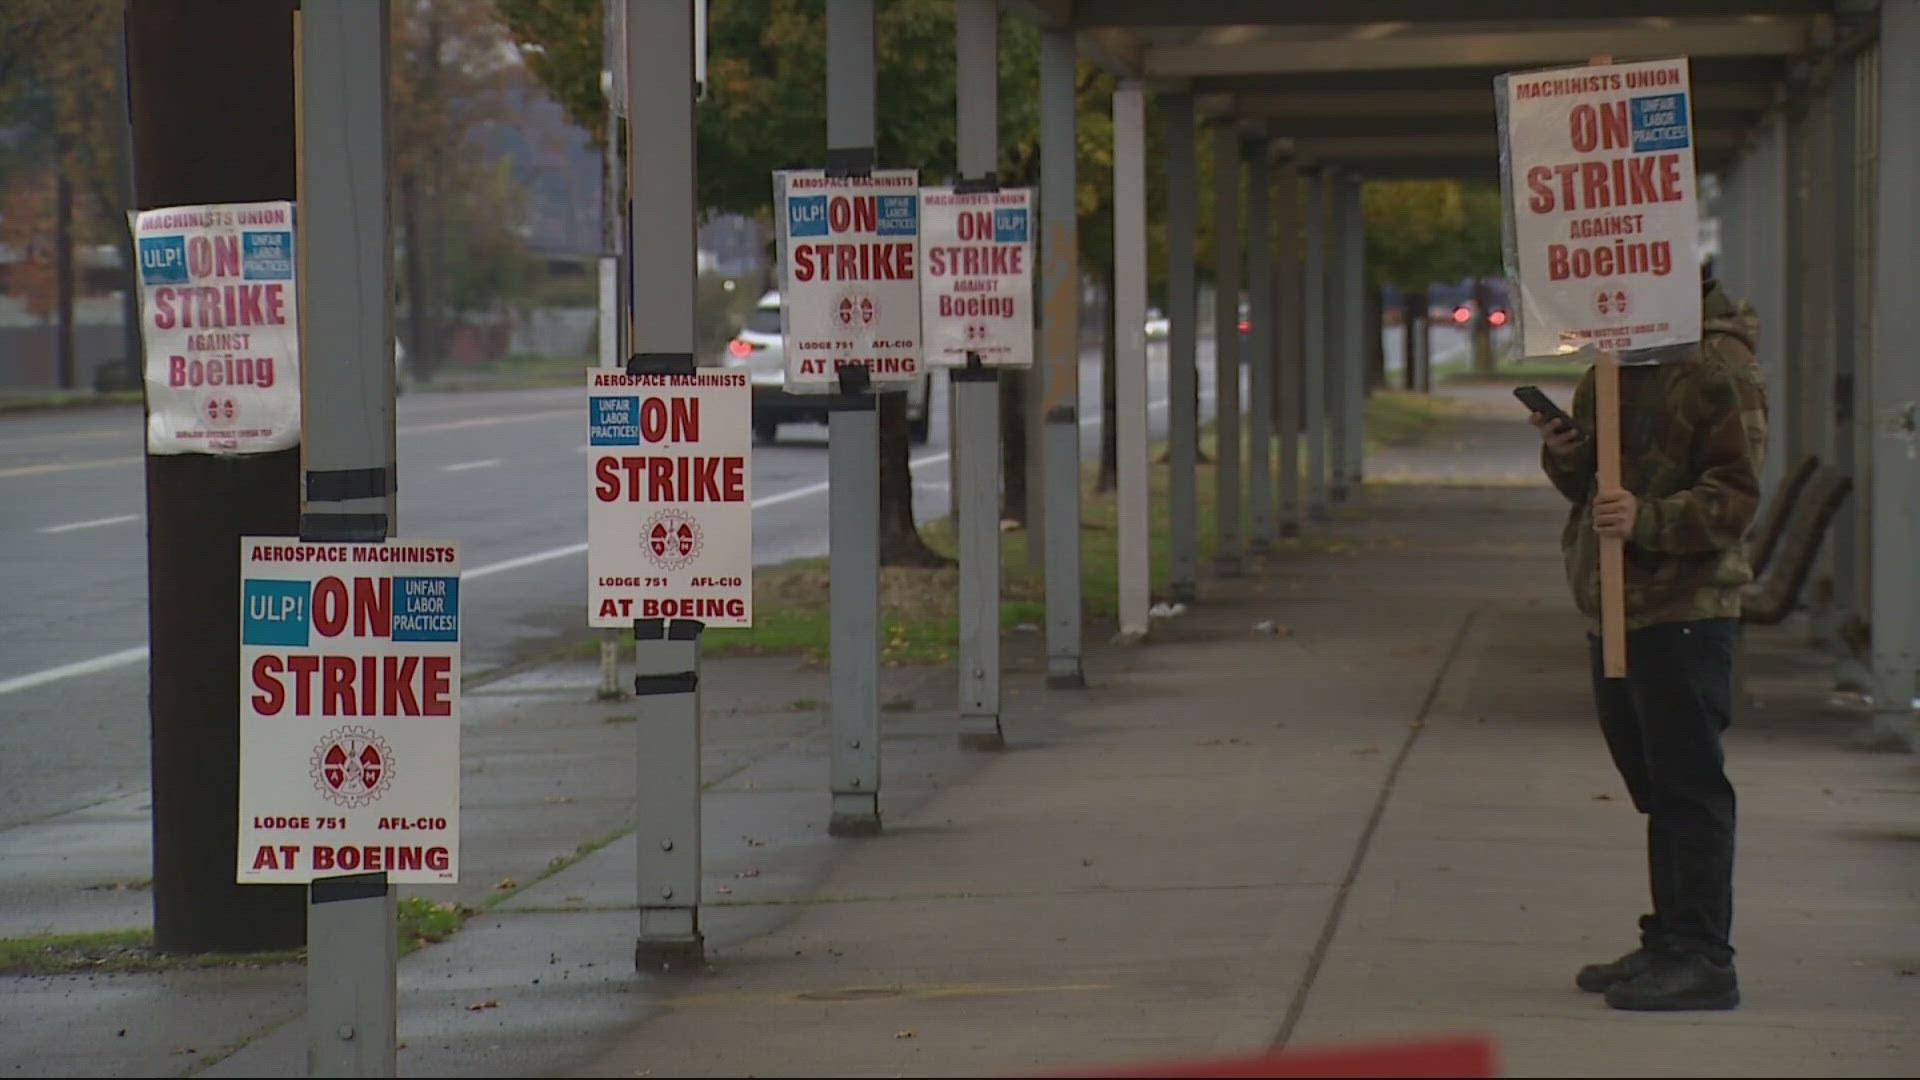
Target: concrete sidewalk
{"type": "Point", "coordinates": [1393, 817]}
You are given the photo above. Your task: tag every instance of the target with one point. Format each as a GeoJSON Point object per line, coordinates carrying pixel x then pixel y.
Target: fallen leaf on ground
{"type": "Point", "coordinates": [507, 883]}
{"type": "Point", "coordinates": [903, 1034]}
{"type": "Point", "coordinates": [490, 1003]}
{"type": "Point", "coordinates": [1603, 797]}
{"type": "Point", "coordinates": [750, 872]}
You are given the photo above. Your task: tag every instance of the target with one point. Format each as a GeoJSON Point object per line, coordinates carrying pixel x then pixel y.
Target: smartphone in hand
{"type": "Point", "coordinates": [1534, 399]}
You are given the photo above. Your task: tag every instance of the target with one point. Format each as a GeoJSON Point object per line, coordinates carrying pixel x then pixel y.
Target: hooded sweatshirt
{"type": "Point", "coordinates": [1693, 427]}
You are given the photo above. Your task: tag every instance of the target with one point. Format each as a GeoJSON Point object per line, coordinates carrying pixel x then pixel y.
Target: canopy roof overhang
{"type": "Point", "coordinates": [1404, 88]}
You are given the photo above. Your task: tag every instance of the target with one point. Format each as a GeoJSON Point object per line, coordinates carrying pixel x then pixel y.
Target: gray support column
{"type": "Point", "coordinates": [853, 471]}
{"type": "Point", "coordinates": [1817, 302]}
{"type": "Point", "coordinates": [346, 262]}
{"type": "Point", "coordinates": [1060, 334]}
{"type": "Point", "coordinates": [1337, 328]}
{"type": "Point", "coordinates": [1229, 495]}
{"type": "Point", "coordinates": [974, 438]}
{"type": "Point", "coordinates": [659, 86]}
{"type": "Point", "coordinates": [1896, 380]}
{"type": "Point", "coordinates": [353, 948]}
{"type": "Point", "coordinates": [1261, 527]}
{"type": "Point", "coordinates": [1853, 270]}
{"type": "Point", "coordinates": [1130, 352]}
{"type": "Point", "coordinates": [1353, 407]}
{"type": "Point", "coordinates": [1770, 288]}
{"type": "Point", "coordinates": [1183, 387]}
{"type": "Point", "coordinates": [346, 266]}
{"type": "Point", "coordinates": [1287, 311]}
{"type": "Point", "coordinates": [1313, 329]}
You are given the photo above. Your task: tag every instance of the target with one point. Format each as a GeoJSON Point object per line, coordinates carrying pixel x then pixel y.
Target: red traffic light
{"type": "Point", "coordinates": [1462, 313]}
{"type": "Point", "coordinates": [739, 347]}
{"type": "Point", "coordinates": [1497, 318]}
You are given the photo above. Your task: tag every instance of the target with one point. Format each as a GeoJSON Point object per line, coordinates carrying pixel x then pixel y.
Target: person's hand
{"type": "Point", "coordinates": [1614, 513]}
{"type": "Point", "coordinates": [1560, 436]}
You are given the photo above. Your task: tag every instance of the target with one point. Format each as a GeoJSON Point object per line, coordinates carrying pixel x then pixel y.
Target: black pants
{"type": "Point", "coordinates": [1663, 724]}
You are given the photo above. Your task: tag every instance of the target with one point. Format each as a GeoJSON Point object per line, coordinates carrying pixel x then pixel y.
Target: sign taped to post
{"type": "Point", "coordinates": [976, 288]}
{"type": "Point", "coordinates": [349, 711]}
{"type": "Point", "coordinates": [670, 498]}
{"type": "Point", "coordinates": [219, 318]}
{"type": "Point", "coordinates": [1602, 218]}
{"type": "Point", "coordinates": [850, 275]}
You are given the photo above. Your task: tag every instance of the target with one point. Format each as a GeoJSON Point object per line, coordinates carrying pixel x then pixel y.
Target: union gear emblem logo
{"type": "Point", "coordinates": [1611, 303]}
{"type": "Point", "coordinates": [856, 311]}
{"type": "Point", "coordinates": [352, 766]}
{"type": "Point", "coordinates": [671, 539]}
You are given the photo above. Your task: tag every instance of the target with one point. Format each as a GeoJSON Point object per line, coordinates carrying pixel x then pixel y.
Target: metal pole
{"type": "Point", "coordinates": [1313, 329]}
{"type": "Point", "coordinates": [612, 198]}
{"type": "Point", "coordinates": [1354, 398]}
{"type": "Point", "coordinates": [1130, 350]}
{"type": "Point", "coordinates": [1896, 380]}
{"type": "Point", "coordinates": [1060, 326]}
{"type": "Point", "coordinates": [353, 930]}
{"type": "Point", "coordinates": [660, 223]}
{"type": "Point", "coordinates": [1229, 496]}
{"type": "Point", "coordinates": [1286, 320]}
{"type": "Point", "coordinates": [853, 471]}
{"type": "Point", "coordinates": [1183, 397]}
{"type": "Point", "coordinates": [346, 267]}
{"type": "Point", "coordinates": [1769, 266]}
{"type": "Point", "coordinates": [1339, 365]}
{"type": "Point", "coordinates": [975, 434]}
{"type": "Point", "coordinates": [1261, 530]}
{"type": "Point", "coordinates": [1817, 301]}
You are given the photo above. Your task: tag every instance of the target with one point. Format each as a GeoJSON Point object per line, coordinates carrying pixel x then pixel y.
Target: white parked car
{"type": "Point", "coordinates": [759, 348]}
{"type": "Point", "coordinates": [1156, 326]}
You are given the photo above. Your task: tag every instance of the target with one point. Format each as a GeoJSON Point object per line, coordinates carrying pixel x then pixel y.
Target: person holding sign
{"type": "Point", "coordinates": [1693, 426]}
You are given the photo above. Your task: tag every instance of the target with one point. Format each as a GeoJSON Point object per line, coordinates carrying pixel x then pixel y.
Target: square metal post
{"type": "Point", "coordinates": [1060, 336]}
{"type": "Point", "coordinates": [1896, 380]}
{"type": "Point", "coordinates": [353, 930]}
{"type": "Point", "coordinates": [1354, 396]}
{"type": "Point", "coordinates": [660, 117]}
{"type": "Point", "coordinates": [1769, 257]}
{"type": "Point", "coordinates": [1229, 495]}
{"type": "Point", "coordinates": [1313, 331]}
{"type": "Point", "coordinates": [1261, 527]}
{"type": "Point", "coordinates": [853, 473]}
{"type": "Point", "coordinates": [1130, 352]}
{"type": "Point", "coordinates": [1852, 265]}
{"type": "Point", "coordinates": [1286, 322]}
{"type": "Point", "coordinates": [974, 437]}
{"type": "Point", "coordinates": [346, 264]}
{"type": "Point", "coordinates": [666, 687]}
{"type": "Point", "coordinates": [977, 394]}
{"type": "Point", "coordinates": [1183, 388]}
{"type": "Point", "coordinates": [1337, 328]}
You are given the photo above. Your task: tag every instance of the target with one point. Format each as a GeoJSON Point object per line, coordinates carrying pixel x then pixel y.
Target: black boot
{"type": "Point", "coordinates": [1678, 983]}
{"type": "Point", "coordinates": [1595, 978]}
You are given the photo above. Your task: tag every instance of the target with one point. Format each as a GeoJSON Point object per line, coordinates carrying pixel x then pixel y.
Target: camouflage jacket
{"type": "Point", "coordinates": [1692, 432]}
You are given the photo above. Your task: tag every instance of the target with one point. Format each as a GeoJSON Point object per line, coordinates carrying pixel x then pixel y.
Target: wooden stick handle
{"type": "Point", "coordinates": [1613, 597]}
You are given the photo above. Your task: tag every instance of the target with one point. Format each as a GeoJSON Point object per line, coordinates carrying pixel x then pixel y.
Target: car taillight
{"type": "Point", "coordinates": [1498, 318]}
{"type": "Point", "coordinates": [1462, 313]}
{"type": "Point", "coordinates": [739, 348]}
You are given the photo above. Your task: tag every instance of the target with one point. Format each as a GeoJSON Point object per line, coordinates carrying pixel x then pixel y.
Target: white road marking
{"type": "Point", "coordinates": [138, 654]}
{"type": "Point", "coordinates": [463, 466]}
{"type": "Point", "coordinates": [75, 526]}
{"type": "Point", "coordinates": [66, 671]}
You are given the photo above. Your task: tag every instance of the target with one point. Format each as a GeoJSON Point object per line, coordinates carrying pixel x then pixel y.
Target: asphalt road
{"type": "Point", "coordinates": [500, 472]}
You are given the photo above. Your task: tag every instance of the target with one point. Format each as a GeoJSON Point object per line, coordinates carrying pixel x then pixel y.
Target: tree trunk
{"type": "Point", "coordinates": [900, 542]}
{"type": "Point", "coordinates": [1109, 396]}
{"type": "Point", "coordinates": [1376, 349]}
{"type": "Point", "coordinates": [63, 276]}
{"type": "Point", "coordinates": [1013, 444]}
{"type": "Point", "coordinates": [419, 341]}
{"type": "Point", "coordinates": [1412, 310]}
{"type": "Point", "coordinates": [1426, 348]}
{"type": "Point", "coordinates": [1482, 329]}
